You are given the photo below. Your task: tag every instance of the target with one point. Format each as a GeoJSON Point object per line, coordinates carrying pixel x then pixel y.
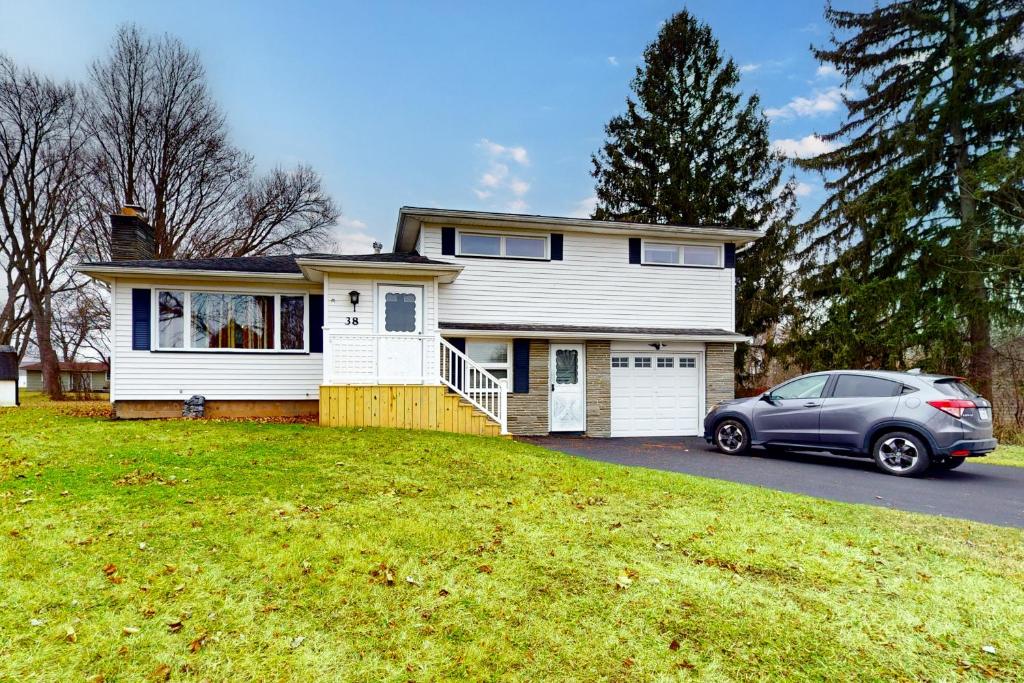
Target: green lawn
{"type": "Point", "coordinates": [1005, 455]}
{"type": "Point", "coordinates": [240, 551]}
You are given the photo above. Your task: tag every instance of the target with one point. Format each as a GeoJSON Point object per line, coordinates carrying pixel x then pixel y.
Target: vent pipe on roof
{"type": "Point", "coordinates": [131, 237]}
{"type": "Point", "coordinates": [377, 246]}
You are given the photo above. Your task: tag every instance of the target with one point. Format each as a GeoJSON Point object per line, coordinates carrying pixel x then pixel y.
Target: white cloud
{"type": "Point", "coordinates": [613, 60]}
{"type": "Point", "coordinates": [519, 187]}
{"type": "Point", "coordinates": [498, 185]}
{"type": "Point", "coordinates": [748, 68]}
{"type": "Point", "coordinates": [351, 236]}
{"type": "Point", "coordinates": [822, 102]}
{"type": "Point", "coordinates": [807, 146]}
{"type": "Point", "coordinates": [803, 189]}
{"type": "Point", "coordinates": [584, 208]}
{"type": "Point", "coordinates": [496, 151]}
{"type": "Point", "coordinates": [827, 71]}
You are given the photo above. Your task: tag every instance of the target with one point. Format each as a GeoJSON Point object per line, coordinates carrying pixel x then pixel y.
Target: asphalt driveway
{"type": "Point", "coordinates": [984, 493]}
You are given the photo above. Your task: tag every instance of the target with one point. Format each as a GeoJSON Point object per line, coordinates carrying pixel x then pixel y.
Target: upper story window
{"type": "Point", "coordinates": [701, 256]}
{"type": "Point", "coordinates": [218, 321]}
{"type": "Point", "coordinates": [503, 246]}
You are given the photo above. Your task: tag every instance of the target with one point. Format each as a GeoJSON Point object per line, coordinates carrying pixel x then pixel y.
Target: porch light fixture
{"type": "Point", "coordinates": [353, 296]}
{"type": "Point", "coordinates": [657, 345]}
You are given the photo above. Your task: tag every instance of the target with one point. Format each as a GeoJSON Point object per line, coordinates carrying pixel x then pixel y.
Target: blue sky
{"type": "Point", "coordinates": [482, 105]}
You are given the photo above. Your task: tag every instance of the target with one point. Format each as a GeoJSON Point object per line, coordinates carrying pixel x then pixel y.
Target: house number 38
{"type": "Point", "coordinates": [351, 320]}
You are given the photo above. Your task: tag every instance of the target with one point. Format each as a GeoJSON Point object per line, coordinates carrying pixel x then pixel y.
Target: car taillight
{"type": "Point", "coordinates": [952, 406]}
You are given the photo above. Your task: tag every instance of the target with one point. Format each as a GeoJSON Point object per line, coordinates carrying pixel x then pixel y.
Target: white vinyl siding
{"type": "Point", "coordinates": [176, 375]}
{"type": "Point", "coordinates": [594, 285]}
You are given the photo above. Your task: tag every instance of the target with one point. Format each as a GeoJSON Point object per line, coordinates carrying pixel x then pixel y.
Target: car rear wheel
{"type": "Point", "coordinates": [731, 437]}
{"type": "Point", "coordinates": [950, 463]}
{"type": "Point", "coordinates": [900, 454]}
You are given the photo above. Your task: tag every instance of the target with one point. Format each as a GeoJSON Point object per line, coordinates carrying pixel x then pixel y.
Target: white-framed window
{"type": "Point", "coordinates": [207, 320]}
{"type": "Point", "coordinates": [495, 355]}
{"type": "Point", "coordinates": [696, 255]}
{"type": "Point", "coordinates": [497, 245]}
{"type": "Point", "coordinates": [666, 362]}
{"type": "Point", "coordinates": [642, 362]}
{"type": "Point", "coordinates": [620, 361]}
{"type": "Point", "coordinates": [688, 362]}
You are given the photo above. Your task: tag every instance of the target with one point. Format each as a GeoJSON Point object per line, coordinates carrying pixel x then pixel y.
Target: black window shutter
{"type": "Point", "coordinates": [556, 246]}
{"type": "Point", "coordinates": [316, 323]}
{"type": "Point", "coordinates": [634, 250]}
{"type": "Point", "coordinates": [521, 366]}
{"type": "Point", "coordinates": [458, 342]}
{"type": "Point", "coordinates": [141, 309]}
{"type": "Point", "coordinates": [448, 241]}
{"type": "Point", "coordinates": [730, 255]}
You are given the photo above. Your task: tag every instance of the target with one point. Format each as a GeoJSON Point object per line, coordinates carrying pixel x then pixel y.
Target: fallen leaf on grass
{"type": "Point", "coordinates": [197, 644]}
{"type": "Point", "coordinates": [297, 641]}
{"type": "Point", "coordinates": [130, 630]}
{"type": "Point", "coordinates": [110, 569]}
{"type": "Point", "coordinates": [989, 649]}
{"type": "Point", "coordinates": [485, 569]}
{"type": "Point", "coordinates": [383, 573]}
{"type": "Point", "coordinates": [161, 673]}
{"type": "Point", "coordinates": [623, 582]}
{"type": "Point", "coordinates": [674, 645]}
{"type": "Point", "coordinates": [70, 635]}
{"type": "Point", "coordinates": [412, 581]}
{"type": "Point", "coordinates": [175, 626]}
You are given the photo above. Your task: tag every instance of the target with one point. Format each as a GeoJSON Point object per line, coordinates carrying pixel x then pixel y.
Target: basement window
{"type": "Point", "coordinates": [492, 354]}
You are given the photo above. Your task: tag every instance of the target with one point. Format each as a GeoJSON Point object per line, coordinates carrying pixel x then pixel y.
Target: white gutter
{"type": "Point", "coordinates": [618, 336]}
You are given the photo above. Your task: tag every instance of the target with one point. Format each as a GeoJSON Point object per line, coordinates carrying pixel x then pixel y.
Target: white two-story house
{"type": "Point", "coordinates": [476, 322]}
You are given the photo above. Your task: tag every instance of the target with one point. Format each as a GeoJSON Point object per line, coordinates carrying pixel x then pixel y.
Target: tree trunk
{"type": "Point", "coordinates": [42, 318]}
{"type": "Point", "coordinates": [974, 296]}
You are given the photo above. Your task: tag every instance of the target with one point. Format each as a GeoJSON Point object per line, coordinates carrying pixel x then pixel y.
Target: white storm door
{"type": "Point", "coordinates": [568, 390]}
{"type": "Point", "coordinates": [400, 330]}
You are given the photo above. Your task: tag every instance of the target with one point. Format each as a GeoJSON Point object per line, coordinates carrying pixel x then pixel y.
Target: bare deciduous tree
{"type": "Point", "coordinates": [42, 142]}
{"type": "Point", "coordinates": [162, 142]}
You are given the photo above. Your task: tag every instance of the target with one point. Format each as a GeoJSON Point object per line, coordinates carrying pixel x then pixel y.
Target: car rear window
{"type": "Point", "coordinates": [954, 387]}
{"type": "Point", "coordinates": [861, 386]}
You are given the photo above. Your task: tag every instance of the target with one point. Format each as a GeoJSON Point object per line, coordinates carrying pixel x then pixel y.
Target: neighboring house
{"type": "Point", "coordinates": [477, 322]}
{"type": "Point", "coordinates": [74, 376]}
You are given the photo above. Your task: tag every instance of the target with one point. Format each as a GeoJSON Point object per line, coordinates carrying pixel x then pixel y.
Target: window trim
{"type": "Point", "coordinates": [506, 366]}
{"type": "Point", "coordinates": [187, 319]}
{"type": "Point", "coordinates": [679, 247]}
{"type": "Point", "coordinates": [546, 237]}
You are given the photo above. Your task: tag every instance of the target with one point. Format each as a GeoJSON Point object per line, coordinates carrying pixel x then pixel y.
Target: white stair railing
{"type": "Point", "coordinates": [474, 383]}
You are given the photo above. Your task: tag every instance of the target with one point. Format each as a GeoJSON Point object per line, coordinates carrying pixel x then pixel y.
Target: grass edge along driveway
{"type": "Point", "coordinates": [228, 550]}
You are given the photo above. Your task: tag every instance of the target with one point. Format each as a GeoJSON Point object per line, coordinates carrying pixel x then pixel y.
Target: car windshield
{"type": "Point", "coordinates": [954, 387]}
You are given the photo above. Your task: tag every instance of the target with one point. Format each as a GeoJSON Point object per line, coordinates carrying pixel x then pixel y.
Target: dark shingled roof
{"type": "Point", "coordinates": [69, 366]}
{"type": "Point", "coordinates": [583, 329]}
{"type": "Point", "coordinates": [264, 264]}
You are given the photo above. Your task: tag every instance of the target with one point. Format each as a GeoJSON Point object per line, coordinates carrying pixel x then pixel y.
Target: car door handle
{"type": "Point", "coordinates": [811, 404]}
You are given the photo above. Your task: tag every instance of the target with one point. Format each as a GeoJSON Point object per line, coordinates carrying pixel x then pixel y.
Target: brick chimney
{"type": "Point", "coordinates": [131, 237]}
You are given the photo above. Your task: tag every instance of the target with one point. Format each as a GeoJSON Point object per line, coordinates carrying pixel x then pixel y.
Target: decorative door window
{"type": "Point", "coordinates": [566, 366]}
{"type": "Point", "coordinates": [400, 312]}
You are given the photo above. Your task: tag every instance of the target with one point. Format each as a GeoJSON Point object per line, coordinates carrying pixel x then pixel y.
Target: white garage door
{"type": "Point", "coordinates": [655, 394]}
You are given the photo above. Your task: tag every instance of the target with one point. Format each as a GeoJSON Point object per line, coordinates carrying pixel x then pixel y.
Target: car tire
{"type": "Point", "coordinates": [732, 437]}
{"type": "Point", "coordinates": [901, 454]}
{"type": "Point", "coordinates": [950, 463]}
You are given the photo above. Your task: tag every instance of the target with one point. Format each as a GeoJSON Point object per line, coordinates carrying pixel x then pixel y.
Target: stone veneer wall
{"type": "Point", "coordinates": [599, 388]}
{"type": "Point", "coordinates": [720, 378]}
{"type": "Point", "coordinates": [528, 413]}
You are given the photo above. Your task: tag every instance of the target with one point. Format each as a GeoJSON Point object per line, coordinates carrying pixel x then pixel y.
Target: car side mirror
{"type": "Point", "coordinates": [767, 398]}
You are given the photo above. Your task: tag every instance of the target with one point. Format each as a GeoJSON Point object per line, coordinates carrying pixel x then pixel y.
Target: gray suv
{"type": "Point", "coordinates": [905, 421]}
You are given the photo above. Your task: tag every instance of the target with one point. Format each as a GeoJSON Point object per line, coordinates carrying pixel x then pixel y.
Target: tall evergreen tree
{"type": "Point", "coordinates": [913, 255]}
{"type": "Point", "coordinates": [691, 150]}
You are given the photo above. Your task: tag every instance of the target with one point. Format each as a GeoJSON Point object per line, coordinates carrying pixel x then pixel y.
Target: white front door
{"type": "Point", "coordinates": [568, 388]}
{"type": "Point", "coordinates": [399, 326]}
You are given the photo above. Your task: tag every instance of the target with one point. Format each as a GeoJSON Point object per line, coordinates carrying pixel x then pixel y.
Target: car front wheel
{"type": "Point", "coordinates": [731, 437]}
{"type": "Point", "coordinates": [901, 454]}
